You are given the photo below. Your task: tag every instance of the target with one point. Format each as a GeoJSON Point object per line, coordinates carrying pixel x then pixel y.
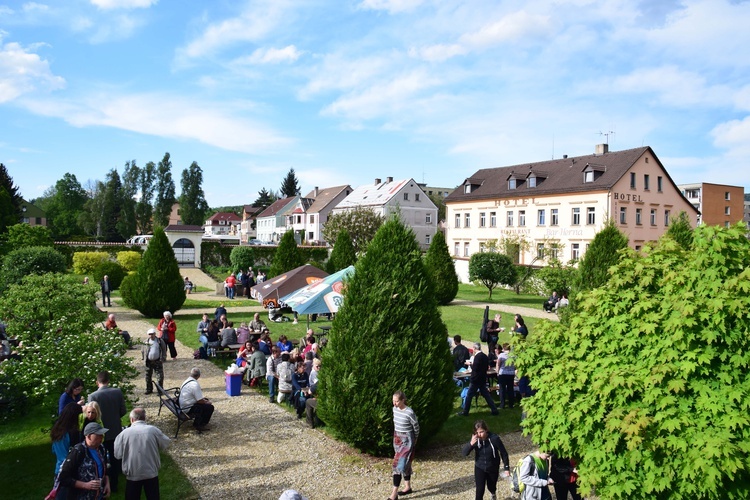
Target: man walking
{"type": "Point", "coordinates": [193, 403]}
{"type": "Point", "coordinates": [112, 403]}
{"type": "Point", "coordinates": [479, 381]}
{"type": "Point", "coordinates": [106, 288]}
{"type": "Point", "coordinates": [154, 352]}
{"type": "Point", "coordinates": [138, 447]}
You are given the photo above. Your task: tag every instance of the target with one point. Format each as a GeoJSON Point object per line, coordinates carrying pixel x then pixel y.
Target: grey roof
{"type": "Point", "coordinates": [373, 194]}
{"type": "Point", "coordinates": [325, 196]}
{"type": "Point", "coordinates": [561, 176]}
{"type": "Point", "coordinates": [184, 228]}
{"type": "Point", "coordinates": [275, 207]}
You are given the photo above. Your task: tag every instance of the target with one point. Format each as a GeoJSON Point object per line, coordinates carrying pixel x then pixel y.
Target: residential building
{"type": "Point", "coordinates": [746, 218]}
{"type": "Point", "coordinates": [718, 204]}
{"type": "Point", "coordinates": [404, 197]}
{"type": "Point", "coordinates": [32, 215]}
{"type": "Point", "coordinates": [222, 224]}
{"type": "Point", "coordinates": [174, 216]}
{"type": "Point", "coordinates": [311, 212]}
{"type": "Point", "coordinates": [248, 230]}
{"type": "Point", "coordinates": [270, 224]}
{"type": "Point", "coordinates": [553, 209]}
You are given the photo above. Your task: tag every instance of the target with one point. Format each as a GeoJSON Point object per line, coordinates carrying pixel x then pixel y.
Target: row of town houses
{"type": "Point", "coordinates": [550, 209]}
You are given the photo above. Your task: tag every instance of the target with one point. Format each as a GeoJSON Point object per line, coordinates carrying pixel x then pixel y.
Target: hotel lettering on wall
{"type": "Point", "coordinates": [518, 202]}
{"type": "Point", "coordinates": [628, 197]}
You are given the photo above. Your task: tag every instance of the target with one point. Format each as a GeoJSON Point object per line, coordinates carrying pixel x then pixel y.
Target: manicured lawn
{"type": "Point", "coordinates": [499, 296]}
{"type": "Point", "coordinates": [26, 452]}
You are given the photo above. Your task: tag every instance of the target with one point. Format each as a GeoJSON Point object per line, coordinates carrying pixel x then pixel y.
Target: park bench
{"type": "Point", "coordinates": [171, 399]}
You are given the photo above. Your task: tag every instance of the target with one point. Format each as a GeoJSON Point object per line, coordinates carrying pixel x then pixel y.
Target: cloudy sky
{"type": "Point", "coordinates": [347, 91]}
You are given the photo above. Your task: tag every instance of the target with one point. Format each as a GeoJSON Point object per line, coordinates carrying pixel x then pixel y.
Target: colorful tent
{"type": "Point", "coordinates": [321, 297]}
{"type": "Point", "coordinates": [269, 292]}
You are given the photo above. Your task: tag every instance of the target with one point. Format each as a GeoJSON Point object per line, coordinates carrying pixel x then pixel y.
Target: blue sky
{"type": "Point", "coordinates": [348, 91]}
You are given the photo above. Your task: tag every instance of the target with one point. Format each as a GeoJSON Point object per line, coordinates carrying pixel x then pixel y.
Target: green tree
{"type": "Point", "coordinates": [128, 223]}
{"type": "Point", "coordinates": [165, 192]}
{"type": "Point", "coordinates": [144, 211]}
{"type": "Point", "coordinates": [8, 213]}
{"type": "Point", "coordinates": [24, 235]}
{"type": "Point", "coordinates": [64, 203]}
{"type": "Point", "coordinates": [157, 285]}
{"type": "Point", "coordinates": [557, 277]}
{"type": "Point", "coordinates": [342, 255]}
{"type": "Point", "coordinates": [361, 223]}
{"type": "Point", "coordinates": [92, 216]}
{"type": "Point", "coordinates": [287, 256]}
{"type": "Point", "coordinates": [290, 185]}
{"type": "Point", "coordinates": [242, 257]}
{"type": "Point", "coordinates": [193, 205]}
{"type": "Point", "coordinates": [492, 269]}
{"type": "Point", "coordinates": [681, 230]}
{"type": "Point", "coordinates": [31, 261]}
{"type": "Point", "coordinates": [401, 346]}
{"type": "Point", "coordinates": [647, 384]}
{"type": "Point", "coordinates": [53, 316]}
{"type": "Point", "coordinates": [593, 269]}
{"type": "Point", "coordinates": [265, 198]}
{"type": "Point", "coordinates": [439, 201]}
{"type": "Point", "coordinates": [112, 221]}
{"type": "Point", "coordinates": [439, 265]}
{"type": "Point", "coordinates": [6, 181]}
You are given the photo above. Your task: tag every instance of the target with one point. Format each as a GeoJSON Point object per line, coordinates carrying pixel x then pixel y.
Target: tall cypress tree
{"type": "Point", "coordinates": [343, 254]}
{"type": "Point", "coordinates": [440, 266]}
{"type": "Point", "coordinates": [165, 194]}
{"type": "Point", "coordinates": [593, 270]}
{"type": "Point", "coordinates": [287, 256]}
{"type": "Point", "coordinates": [157, 284]}
{"type": "Point", "coordinates": [193, 205]}
{"type": "Point", "coordinates": [387, 336]}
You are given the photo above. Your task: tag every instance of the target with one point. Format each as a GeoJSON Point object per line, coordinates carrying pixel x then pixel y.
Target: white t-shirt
{"type": "Point", "coordinates": [190, 393]}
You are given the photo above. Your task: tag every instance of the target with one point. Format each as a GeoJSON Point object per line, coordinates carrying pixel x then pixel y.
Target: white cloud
{"type": "Point", "coordinates": [337, 72]}
{"type": "Point", "coordinates": [733, 135]}
{"type": "Point", "coordinates": [23, 72]}
{"type": "Point", "coordinates": [256, 21]}
{"type": "Point", "coordinates": [121, 28]}
{"type": "Point", "coordinates": [392, 6]}
{"type": "Point", "coordinates": [32, 7]}
{"type": "Point", "coordinates": [513, 27]}
{"type": "Point", "coordinates": [163, 115]}
{"type": "Point", "coordinates": [439, 52]}
{"type": "Point", "coordinates": [271, 56]}
{"type": "Point", "coordinates": [123, 4]}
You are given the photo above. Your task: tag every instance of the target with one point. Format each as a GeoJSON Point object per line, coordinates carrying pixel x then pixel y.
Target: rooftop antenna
{"type": "Point", "coordinates": [606, 136]}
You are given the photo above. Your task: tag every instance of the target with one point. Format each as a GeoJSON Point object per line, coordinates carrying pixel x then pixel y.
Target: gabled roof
{"type": "Point", "coordinates": [560, 176]}
{"type": "Point", "coordinates": [325, 197]}
{"type": "Point", "coordinates": [373, 194]}
{"type": "Point", "coordinates": [227, 216]}
{"type": "Point", "coordinates": [31, 210]}
{"type": "Point", "coordinates": [183, 228]}
{"type": "Point", "coordinates": [251, 210]}
{"type": "Point", "coordinates": [276, 207]}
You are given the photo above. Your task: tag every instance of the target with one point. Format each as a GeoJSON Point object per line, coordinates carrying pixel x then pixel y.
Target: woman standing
{"type": "Point", "coordinates": [506, 374]}
{"type": "Point", "coordinates": [72, 394]}
{"type": "Point", "coordinates": [168, 328]}
{"type": "Point", "coordinates": [64, 434]}
{"type": "Point", "coordinates": [91, 413]}
{"type": "Point", "coordinates": [488, 450]}
{"type": "Point", "coordinates": [84, 471]}
{"type": "Point", "coordinates": [405, 434]}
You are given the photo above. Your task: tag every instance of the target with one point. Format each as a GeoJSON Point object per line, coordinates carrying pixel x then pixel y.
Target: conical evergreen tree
{"type": "Point", "coordinates": [287, 257]}
{"type": "Point", "coordinates": [593, 270]}
{"type": "Point", "coordinates": [157, 285]}
{"type": "Point", "coordinates": [343, 254]}
{"type": "Point", "coordinates": [387, 336]}
{"type": "Point", "coordinates": [440, 266]}
{"type": "Point", "coordinates": [681, 231]}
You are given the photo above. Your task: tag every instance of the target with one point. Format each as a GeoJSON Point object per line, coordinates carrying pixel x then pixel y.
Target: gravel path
{"type": "Point", "coordinates": [256, 449]}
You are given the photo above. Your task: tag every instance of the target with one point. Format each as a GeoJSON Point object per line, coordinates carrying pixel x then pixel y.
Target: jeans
{"type": "Point", "coordinates": [231, 292]}
{"type": "Point", "coordinates": [271, 386]}
{"type": "Point", "coordinates": [482, 389]}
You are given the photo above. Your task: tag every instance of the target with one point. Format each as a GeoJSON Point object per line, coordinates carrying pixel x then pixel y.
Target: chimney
{"type": "Point", "coordinates": [377, 181]}
{"type": "Point", "coordinates": [565, 157]}
{"type": "Point", "coordinates": [315, 192]}
{"type": "Point", "coordinates": [389, 179]}
{"type": "Point", "coordinates": [602, 149]}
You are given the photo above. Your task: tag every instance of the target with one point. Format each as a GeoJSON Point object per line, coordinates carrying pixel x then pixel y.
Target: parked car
{"type": "Point", "coordinates": [254, 242]}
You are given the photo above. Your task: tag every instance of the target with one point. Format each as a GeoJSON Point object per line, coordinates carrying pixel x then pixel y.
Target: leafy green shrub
{"type": "Point", "coordinates": [242, 257]}
{"type": "Point", "coordinates": [649, 381]}
{"type": "Point", "coordinates": [53, 317]}
{"type": "Point", "coordinates": [440, 267]}
{"type": "Point", "coordinates": [24, 235]}
{"type": "Point", "coordinates": [557, 278]}
{"type": "Point", "coordinates": [214, 253]}
{"type": "Point", "coordinates": [129, 260]}
{"type": "Point", "coordinates": [342, 255]}
{"type": "Point", "coordinates": [157, 285]}
{"type": "Point", "coordinates": [287, 256]}
{"type": "Point", "coordinates": [313, 254]}
{"type": "Point", "coordinates": [492, 269]}
{"type": "Point", "coordinates": [84, 263]}
{"type": "Point", "coordinates": [113, 270]}
{"type": "Point", "coordinates": [31, 261]}
{"type": "Point", "coordinates": [401, 345]}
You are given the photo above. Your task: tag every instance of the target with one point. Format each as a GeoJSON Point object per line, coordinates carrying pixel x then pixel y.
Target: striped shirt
{"type": "Point", "coordinates": [405, 421]}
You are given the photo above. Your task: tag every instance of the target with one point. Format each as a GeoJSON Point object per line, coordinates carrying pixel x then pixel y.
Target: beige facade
{"type": "Point", "coordinates": [554, 209]}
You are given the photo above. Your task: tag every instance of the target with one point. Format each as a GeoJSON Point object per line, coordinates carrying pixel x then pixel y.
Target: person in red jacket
{"type": "Point", "coordinates": [231, 282]}
{"type": "Point", "coordinates": [167, 329]}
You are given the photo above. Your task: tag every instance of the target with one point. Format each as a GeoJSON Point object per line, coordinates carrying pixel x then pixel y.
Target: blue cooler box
{"type": "Point", "coordinates": [234, 384]}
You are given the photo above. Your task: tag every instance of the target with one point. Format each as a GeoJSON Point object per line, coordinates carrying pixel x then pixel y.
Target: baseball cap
{"type": "Point", "coordinates": [292, 495]}
{"type": "Point", "coordinates": [151, 330]}
{"type": "Point", "coordinates": [94, 428]}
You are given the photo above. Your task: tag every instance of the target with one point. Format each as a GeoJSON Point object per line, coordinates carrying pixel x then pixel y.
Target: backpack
{"type": "Point", "coordinates": [515, 477]}
{"type": "Point", "coordinates": [483, 335]}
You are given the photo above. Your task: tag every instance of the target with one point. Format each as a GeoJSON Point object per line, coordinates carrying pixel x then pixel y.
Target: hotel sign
{"type": "Point", "coordinates": [628, 197]}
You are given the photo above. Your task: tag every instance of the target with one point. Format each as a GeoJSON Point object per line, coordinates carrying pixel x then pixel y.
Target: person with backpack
{"type": "Point", "coordinates": [488, 450]}
{"type": "Point", "coordinates": [534, 475]}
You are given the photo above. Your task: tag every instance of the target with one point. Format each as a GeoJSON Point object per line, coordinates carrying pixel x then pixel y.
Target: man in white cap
{"type": "Point", "coordinates": [154, 352]}
{"type": "Point", "coordinates": [138, 447]}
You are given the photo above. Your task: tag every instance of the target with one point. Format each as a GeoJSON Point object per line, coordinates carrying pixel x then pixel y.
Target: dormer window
{"type": "Point", "coordinates": [535, 178]}
{"type": "Point", "coordinates": [515, 180]}
{"type": "Point", "coordinates": [467, 189]}
{"type": "Point", "coordinates": [592, 172]}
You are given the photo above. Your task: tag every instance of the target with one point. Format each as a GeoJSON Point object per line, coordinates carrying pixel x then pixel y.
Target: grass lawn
{"type": "Point", "coordinates": [26, 450]}
{"type": "Point", "coordinates": [478, 293]}
{"type": "Point", "coordinates": [467, 321]}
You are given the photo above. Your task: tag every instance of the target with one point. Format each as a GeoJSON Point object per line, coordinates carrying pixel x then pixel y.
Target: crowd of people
{"type": "Point", "coordinates": [247, 279]}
